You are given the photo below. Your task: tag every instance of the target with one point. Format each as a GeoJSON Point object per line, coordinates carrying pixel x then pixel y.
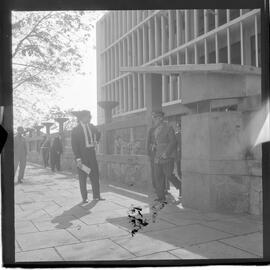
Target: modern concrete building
{"type": "Point", "coordinates": [202, 67]}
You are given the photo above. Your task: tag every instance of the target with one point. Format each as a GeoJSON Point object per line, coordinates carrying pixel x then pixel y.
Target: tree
{"type": "Point", "coordinates": [56, 111]}
{"type": "Point", "coordinates": [46, 47]}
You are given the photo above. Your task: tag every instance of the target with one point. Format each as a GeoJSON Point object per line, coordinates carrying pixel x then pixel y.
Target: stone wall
{"type": "Point", "coordinates": [217, 163]}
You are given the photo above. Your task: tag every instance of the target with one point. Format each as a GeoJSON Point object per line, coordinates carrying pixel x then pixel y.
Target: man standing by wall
{"type": "Point", "coordinates": [55, 153]}
{"type": "Point", "coordinates": [161, 144]}
{"type": "Point", "coordinates": [84, 138]}
{"type": "Point", "coordinates": [20, 153]}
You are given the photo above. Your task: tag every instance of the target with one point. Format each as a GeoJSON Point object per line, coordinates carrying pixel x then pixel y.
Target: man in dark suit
{"type": "Point", "coordinates": [161, 145]}
{"type": "Point", "coordinates": [20, 153]}
{"type": "Point", "coordinates": [55, 153]}
{"type": "Point", "coordinates": [84, 138]}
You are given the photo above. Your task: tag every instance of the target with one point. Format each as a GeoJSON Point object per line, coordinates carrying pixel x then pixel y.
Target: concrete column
{"type": "Point", "coordinates": [153, 95]}
{"type": "Point", "coordinates": [38, 128]}
{"type": "Point", "coordinates": [48, 126]}
{"type": "Point", "coordinates": [61, 121]}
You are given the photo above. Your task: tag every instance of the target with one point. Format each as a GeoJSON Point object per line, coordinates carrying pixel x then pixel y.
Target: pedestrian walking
{"type": "Point", "coordinates": [20, 154]}
{"type": "Point", "coordinates": [45, 150]}
{"type": "Point", "coordinates": [162, 142]}
{"type": "Point", "coordinates": [56, 151]}
{"type": "Point", "coordinates": [84, 138]}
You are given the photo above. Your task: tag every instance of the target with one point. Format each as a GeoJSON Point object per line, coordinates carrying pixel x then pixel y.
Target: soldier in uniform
{"type": "Point", "coordinates": [20, 153]}
{"type": "Point", "coordinates": [84, 138]}
{"type": "Point", "coordinates": [161, 144]}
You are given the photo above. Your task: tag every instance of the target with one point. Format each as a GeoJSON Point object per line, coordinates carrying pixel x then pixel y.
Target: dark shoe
{"type": "Point", "coordinates": [99, 199]}
{"type": "Point", "coordinates": [85, 201]}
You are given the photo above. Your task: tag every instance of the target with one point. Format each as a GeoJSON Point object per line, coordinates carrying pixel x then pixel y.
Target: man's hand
{"type": "Point", "coordinates": [79, 162]}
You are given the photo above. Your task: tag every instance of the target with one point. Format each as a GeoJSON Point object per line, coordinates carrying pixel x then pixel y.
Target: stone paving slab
{"type": "Point", "coordinates": [51, 220]}
{"type": "Point", "coordinates": [158, 256]}
{"type": "Point", "coordinates": [31, 214]}
{"type": "Point", "coordinates": [63, 222]}
{"type": "Point", "coordinates": [188, 235]}
{"type": "Point", "coordinates": [94, 250]}
{"type": "Point", "coordinates": [252, 243]}
{"type": "Point", "coordinates": [141, 245]}
{"type": "Point", "coordinates": [233, 227]}
{"type": "Point", "coordinates": [24, 227]}
{"type": "Point", "coordinates": [123, 222]}
{"type": "Point", "coordinates": [102, 217]}
{"type": "Point", "coordinates": [211, 250]}
{"type": "Point", "coordinates": [40, 255]}
{"type": "Point", "coordinates": [38, 205]}
{"type": "Point", "coordinates": [94, 232]}
{"type": "Point", "coordinates": [40, 240]}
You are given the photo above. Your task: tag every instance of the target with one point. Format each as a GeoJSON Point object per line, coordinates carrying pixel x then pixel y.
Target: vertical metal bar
{"type": "Point", "coordinates": [139, 91]}
{"type": "Point", "coordinates": [164, 88]}
{"type": "Point", "coordinates": [205, 20]}
{"type": "Point", "coordinates": [139, 46]}
{"type": "Point", "coordinates": [205, 51]}
{"type": "Point", "coordinates": [229, 45]}
{"type": "Point", "coordinates": [178, 27]}
{"type": "Point", "coordinates": [216, 36]}
{"type": "Point", "coordinates": [242, 43]}
{"type": "Point", "coordinates": [125, 94]}
{"type": "Point", "coordinates": [186, 56]}
{"type": "Point", "coordinates": [256, 41]}
{"type": "Point", "coordinates": [196, 53]}
{"type": "Point", "coordinates": [163, 36]}
{"type": "Point", "coordinates": [170, 24]}
{"type": "Point", "coordinates": [133, 49]}
{"type": "Point", "coordinates": [150, 41]}
{"type": "Point", "coordinates": [130, 94]}
{"type": "Point", "coordinates": [196, 32]}
{"type": "Point", "coordinates": [134, 106]}
{"type": "Point", "coordinates": [186, 27]}
{"type": "Point", "coordinates": [157, 37]}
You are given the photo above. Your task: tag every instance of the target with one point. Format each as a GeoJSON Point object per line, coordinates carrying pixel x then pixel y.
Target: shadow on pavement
{"type": "Point", "coordinates": [74, 213]}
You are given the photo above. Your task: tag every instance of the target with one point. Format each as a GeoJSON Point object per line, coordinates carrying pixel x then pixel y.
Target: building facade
{"type": "Point", "coordinates": [202, 67]}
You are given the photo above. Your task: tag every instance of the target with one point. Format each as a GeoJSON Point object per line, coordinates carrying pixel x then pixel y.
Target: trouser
{"type": "Point", "coordinates": [164, 171]}
{"type": "Point", "coordinates": [178, 166]}
{"type": "Point", "coordinates": [94, 177]}
{"type": "Point", "coordinates": [21, 162]}
{"type": "Point", "coordinates": [45, 156]}
{"type": "Point", "coordinates": [55, 161]}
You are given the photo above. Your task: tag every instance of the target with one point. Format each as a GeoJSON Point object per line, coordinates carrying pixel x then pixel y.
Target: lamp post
{"type": "Point", "coordinates": [107, 106]}
{"type": "Point", "coordinates": [61, 121]}
{"type": "Point", "coordinates": [38, 128]}
{"type": "Point", "coordinates": [48, 126]}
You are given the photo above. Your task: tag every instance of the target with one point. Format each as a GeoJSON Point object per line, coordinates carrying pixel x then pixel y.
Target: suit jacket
{"type": "Point", "coordinates": [78, 141]}
{"type": "Point", "coordinates": [20, 148]}
{"type": "Point", "coordinates": [57, 146]}
{"type": "Point", "coordinates": [164, 141]}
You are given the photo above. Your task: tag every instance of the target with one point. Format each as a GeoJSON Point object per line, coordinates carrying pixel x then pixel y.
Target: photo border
{"type": "Point", "coordinates": [7, 172]}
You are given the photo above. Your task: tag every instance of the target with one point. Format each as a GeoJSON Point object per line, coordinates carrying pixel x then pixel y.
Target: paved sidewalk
{"type": "Point", "coordinates": [52, 225]}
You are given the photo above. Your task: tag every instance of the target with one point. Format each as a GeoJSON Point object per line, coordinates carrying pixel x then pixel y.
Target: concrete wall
{"type": "Point", "coordinates": [220, 172]}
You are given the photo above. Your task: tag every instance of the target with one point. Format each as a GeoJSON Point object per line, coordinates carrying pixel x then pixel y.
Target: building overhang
{"type": "Point", "coordinates": [194, 68]}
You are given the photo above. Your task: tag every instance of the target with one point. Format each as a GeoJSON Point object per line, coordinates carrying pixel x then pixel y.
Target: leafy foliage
{"type": "Point", "coordinates": [46, 47]}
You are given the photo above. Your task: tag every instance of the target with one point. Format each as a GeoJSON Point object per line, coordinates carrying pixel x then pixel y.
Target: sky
{"type": "Point", "coordinates": [80, 91]}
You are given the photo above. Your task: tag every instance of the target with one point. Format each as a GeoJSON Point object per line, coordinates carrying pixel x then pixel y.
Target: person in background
{"type": "Point", "coordinates": [55, 153]}
{"type": "Point", "coordinates": [20, 153]}
{"type": "Point", "coordinates": [179, 149]}
{"type": "Point", "coordinates": [161, 145]}
{"type": "Point", "coordinates": [45, 150]}
{"type": "Point", "coordinates": [84, 138]}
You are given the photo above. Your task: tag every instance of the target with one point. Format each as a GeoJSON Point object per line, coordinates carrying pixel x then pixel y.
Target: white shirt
{"type": "Point", "coordinates": [87, 143]}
